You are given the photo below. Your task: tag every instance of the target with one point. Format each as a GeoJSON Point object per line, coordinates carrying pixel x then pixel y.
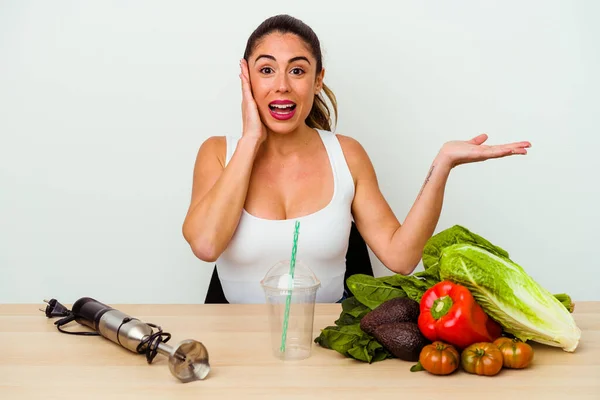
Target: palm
{"type": "Point", "coordinates": [462, 152]}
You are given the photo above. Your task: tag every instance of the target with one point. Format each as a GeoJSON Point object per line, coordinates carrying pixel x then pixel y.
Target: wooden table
{"type": "Point", "coordinates": [38, 362]}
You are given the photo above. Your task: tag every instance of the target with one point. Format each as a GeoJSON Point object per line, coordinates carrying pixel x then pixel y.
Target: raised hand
{"type": "Point", "coordinates": [463, 152]}
{"type": "Point", "coordinates": [252, 124]}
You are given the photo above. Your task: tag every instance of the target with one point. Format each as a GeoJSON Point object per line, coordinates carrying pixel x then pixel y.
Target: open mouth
{"type": "Point", "coordinates": [282, 109]}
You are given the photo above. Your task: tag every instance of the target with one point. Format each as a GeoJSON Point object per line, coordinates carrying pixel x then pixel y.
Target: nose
{"type": "Point", "coordinates": [282, 83]}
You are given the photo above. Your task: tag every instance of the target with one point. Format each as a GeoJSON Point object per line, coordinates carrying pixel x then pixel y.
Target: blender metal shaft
{"type": "Point", "coordinates": [188, 361]}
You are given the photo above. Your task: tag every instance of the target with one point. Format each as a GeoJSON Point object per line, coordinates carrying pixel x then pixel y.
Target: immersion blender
{"type": "Point", "coordinates": [188, 361]}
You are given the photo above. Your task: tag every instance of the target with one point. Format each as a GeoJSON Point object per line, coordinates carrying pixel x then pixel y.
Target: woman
{"type": "Point", "coordinates": [288, 166]}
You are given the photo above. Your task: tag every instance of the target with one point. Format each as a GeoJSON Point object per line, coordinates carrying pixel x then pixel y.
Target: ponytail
{"type": "Point", "coordinates": [320, 115]}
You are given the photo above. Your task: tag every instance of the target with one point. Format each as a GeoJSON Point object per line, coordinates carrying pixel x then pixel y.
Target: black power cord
{"type": "Point", "coordinates": [56, 309]}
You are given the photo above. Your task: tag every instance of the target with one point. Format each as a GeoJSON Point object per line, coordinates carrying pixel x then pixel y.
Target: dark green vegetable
{"type": "Point", "coordinates": [352, 312]}
{"type": "Point", "coordinates": [351, 341]}
{"type": "Point", "coordinates": [412, 287]}
{"type": "Point", "coordinates": [372, 291]}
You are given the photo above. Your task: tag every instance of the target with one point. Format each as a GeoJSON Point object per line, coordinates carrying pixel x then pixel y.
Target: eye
{"type": "Point", "coordinates": [297, 71]}
{"type": "Point", "coordinates": [266, 70]}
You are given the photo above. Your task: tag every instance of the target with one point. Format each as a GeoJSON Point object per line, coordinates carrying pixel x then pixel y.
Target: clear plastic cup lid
{"type": "Point", "coordinates": [278, 277]}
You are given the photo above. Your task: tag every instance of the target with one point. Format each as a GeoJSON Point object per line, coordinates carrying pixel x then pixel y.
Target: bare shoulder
{"type": "Point", "coordinates": [356, 157]}
{"type": "Point", "coordinates": [213, 148]}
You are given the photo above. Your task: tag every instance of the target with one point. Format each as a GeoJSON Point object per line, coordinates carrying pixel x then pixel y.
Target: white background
{"type": "Point", "coordinates": [103, 106]}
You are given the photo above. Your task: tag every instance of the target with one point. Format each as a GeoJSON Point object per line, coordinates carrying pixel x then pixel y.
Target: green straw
{"type": "Point", "coordinates": [286, 316]}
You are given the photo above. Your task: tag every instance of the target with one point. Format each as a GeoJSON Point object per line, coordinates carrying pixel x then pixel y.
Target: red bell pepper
{"type": "Point", "coordinates": [449, 313]}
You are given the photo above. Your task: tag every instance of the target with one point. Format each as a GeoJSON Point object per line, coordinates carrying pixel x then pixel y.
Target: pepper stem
{"type": "Point", "coordinates": [441, 307]}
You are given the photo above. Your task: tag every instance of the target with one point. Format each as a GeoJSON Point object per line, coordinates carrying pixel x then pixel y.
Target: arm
{"type": "Point", "coordinates": [219, 192]}
{"type": "Point", "coordinates": [400, 246]}
{"type": "Point", "coordinates": [218, 196]}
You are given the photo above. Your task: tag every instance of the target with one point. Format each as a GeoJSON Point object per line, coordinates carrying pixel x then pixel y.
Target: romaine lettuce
{"type": "Point", "coordinates": [509, 295]}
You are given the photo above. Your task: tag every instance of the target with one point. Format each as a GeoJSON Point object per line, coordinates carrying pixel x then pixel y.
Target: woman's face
{"type": "Point", "coordinates": [284, 81]}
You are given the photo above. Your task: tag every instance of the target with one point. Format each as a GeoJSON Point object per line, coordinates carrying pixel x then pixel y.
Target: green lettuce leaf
{"type": "Point", "coordinates": [455, 235]}
{"type": "Point", "coordinates": [510, 296]}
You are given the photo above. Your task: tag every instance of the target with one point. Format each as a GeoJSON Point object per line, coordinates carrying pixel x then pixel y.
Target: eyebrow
{"type": "Point", "coordinates": [291, 60]}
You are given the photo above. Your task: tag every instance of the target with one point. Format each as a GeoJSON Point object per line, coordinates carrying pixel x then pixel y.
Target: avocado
{"type": "Point", "coordinates": [399, 309]}
{"type": "Point", "coordinates": [403, 339]}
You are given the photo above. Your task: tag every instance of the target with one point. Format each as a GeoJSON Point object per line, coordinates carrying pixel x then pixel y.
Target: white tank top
{"type": "Point", "coordinates": [258, 243]}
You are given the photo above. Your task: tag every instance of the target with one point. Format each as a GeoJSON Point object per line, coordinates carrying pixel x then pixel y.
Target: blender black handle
{"type": "Point", "coordinates": [88, 312]}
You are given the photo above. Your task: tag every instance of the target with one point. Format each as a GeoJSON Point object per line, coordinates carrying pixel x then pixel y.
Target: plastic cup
{"type": "Point", "coordinates": [298, 338]}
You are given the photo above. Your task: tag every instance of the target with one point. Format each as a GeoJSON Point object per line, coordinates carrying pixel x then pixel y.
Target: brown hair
{"type": "Point", "coordinates": [320, 115]}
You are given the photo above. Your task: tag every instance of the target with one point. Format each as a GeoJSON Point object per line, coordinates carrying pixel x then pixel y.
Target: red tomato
{"type": "Point", "coordinates": [439, 358]}
{"type": "Point", "coordinates": [515, 353]}
{"type": "Point", "coordinates": [482, 358]}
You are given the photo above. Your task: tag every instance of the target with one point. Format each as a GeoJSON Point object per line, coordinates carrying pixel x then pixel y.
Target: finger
{"type": "Point", "coordinates": [479, 139]}
{"type": "Point", "coordinates": [246, 79]}
{"type": "Point", "coordinates": [519, 151]}
{"type": "Point", "coordinates": [246, 91]}
{"type": "Point", "coordinates": [243, 95]}
{"type": "Point", "coordinates": [501, 151]}
{"type": "Point", "coordinates": [245, 71]}
{"type": "Point", "coordinates": [242, 74]}
{"type": "Point", "coordinates": [524, 144]}
{"type": "Point", "coordinates": [517, 148]}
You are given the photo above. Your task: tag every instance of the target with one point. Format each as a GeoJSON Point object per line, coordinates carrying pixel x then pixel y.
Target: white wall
{"type": "Point", "coordinates": [103, 106]}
